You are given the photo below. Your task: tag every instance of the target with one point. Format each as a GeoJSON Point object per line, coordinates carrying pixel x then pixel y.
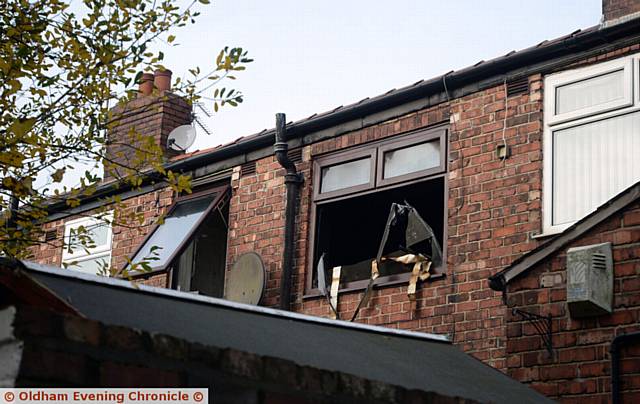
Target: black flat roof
{"type": "Point", "coordinates": [408, 359]}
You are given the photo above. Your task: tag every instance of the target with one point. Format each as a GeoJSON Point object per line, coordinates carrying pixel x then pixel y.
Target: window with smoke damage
{"type": "Point", "coordinates": [354, 191]}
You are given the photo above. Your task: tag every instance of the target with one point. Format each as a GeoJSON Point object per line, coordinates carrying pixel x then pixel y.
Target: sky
{"type": "Point", "coordinates": [312, 56]}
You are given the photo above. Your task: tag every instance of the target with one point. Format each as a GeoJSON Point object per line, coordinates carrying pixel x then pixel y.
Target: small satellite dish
{"type": "Point", "coordinates": [181, 138]}
{"type": "Point", "coordinates": [245, 282]}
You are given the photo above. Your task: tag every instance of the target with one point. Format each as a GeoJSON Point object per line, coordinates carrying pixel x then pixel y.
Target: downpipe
{"type": "Point", "coordinates": [292, 181]}
{"type": "Point", "coordinates": [616, 346]}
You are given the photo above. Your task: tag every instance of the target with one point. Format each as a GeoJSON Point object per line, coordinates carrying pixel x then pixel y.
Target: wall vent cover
{"type": "Point", "coordinates": [517, 86]}
{"type": "Point", "coordinates": [590, 280]}
{"type": "Point", "coordinates": [295, 155]}
{"type": "Point", "coordinates": [248, 168]}
{"type": "Point", "coordinates": [50, 235]}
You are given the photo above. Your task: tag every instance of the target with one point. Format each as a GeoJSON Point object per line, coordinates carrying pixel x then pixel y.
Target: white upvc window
{"type": "Point", "coordinates": [87, 243]}
{"type": "Point", "coordinates": [591, 139]}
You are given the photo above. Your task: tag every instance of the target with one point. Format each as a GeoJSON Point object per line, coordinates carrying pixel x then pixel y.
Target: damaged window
{"type": "Point", "coordinates": [350, 226]}
{"type": "Point", "coordinates": [191, 243]}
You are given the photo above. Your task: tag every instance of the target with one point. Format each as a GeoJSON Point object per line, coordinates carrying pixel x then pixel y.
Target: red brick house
{"type": "Point", "coordinates": [502, 159]}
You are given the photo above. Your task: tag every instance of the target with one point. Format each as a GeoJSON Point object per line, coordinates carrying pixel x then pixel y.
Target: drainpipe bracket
{"type": "Point", "coordinates": [295, 178]}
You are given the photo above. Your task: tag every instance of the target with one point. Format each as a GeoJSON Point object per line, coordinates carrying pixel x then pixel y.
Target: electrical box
{"type": "Point", "coordinates": [590, 280]}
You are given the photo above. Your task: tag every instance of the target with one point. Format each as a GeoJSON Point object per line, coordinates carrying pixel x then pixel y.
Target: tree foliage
{"type": "Point", "coordinates": [63, 67]}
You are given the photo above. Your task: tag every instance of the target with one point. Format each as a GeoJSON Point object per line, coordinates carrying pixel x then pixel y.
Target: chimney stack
{"type": "Point", "coordinates": [154, 113]}
{"type": "Point", "coordinates": [619, 11]}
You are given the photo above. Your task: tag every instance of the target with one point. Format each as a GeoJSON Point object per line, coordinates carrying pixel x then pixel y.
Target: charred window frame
{"type": "Point", "coordinates": [432, 175]}
{"type": "Point", "coordinates": [215, 199]}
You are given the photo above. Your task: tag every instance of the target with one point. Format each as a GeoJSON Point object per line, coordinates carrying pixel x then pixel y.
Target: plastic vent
{"type": "Point", "coordinates": [590, 280]}
{"type": "Point", "coordinates": [50, 235]}
{"type": "Point", "coordinates": [598, 261]}
{"type": "Point", "coordinates": [295, 155]}
{"type": "Point", "coordinates": [248, 168]}
{"type": "Point", "coordinates": [517, 86]}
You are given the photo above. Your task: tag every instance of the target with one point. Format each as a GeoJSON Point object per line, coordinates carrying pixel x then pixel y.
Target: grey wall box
{"type": "Point", "coordinates": [246, 279]}
{"type": "Point", "coordinates": [590, 280]}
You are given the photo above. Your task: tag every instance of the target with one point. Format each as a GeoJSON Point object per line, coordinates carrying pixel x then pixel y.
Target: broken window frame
{"type": "Point", "coordinates": [223, 192]}
{"type": "Point", "coordinates": [377, 150]}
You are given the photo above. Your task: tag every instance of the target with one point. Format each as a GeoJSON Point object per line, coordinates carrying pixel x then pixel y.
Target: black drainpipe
{"type": "Point", "coordinates": [292, 181]}
{"type": "Point", "coordinates": [616, 344]}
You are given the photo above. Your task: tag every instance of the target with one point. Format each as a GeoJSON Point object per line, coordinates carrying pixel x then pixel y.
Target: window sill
{"type": "Point", "coordinates": [547, 234]}
{"type": "Point", "coordinates": [360, 286]}
{"type": "Point", "coordinates": [143, 275]}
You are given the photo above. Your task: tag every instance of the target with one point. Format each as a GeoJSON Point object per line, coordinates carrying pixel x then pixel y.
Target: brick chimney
{"type": "Point", "coordinates": [618, 11]}
{"type": "Point", "coordinates": [154, 113]}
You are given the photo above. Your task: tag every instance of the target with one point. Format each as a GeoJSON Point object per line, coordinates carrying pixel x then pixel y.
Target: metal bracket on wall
{"type": "Point", "coordinates": [542, 324]}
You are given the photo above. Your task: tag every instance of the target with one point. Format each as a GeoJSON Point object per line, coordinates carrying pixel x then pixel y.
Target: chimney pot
{"type": "Point", "coordinates": [146, 84]}
{"type": "Point", "coordinates": [162, 80]}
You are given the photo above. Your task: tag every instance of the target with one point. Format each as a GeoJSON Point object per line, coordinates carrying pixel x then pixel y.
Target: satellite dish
{"type": "Point", "coordinates": [181, 138]}
{"type": "Point", "coordinates": [245, 282]}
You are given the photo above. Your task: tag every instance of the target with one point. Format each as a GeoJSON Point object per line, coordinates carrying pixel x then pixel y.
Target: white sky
{"type": "Point", "coordinates": [312, 56]}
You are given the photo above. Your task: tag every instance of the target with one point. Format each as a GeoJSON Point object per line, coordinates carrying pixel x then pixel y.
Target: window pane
{"type": "Point", "coordinates": [411, 159]}
{"type": "Point", "coordinates": [173, 232]}
{"type": "Point", "coordinates": [95, 235]}
{"type": "Point", "coordinates": [591, 92]}
{"type": "Point", "coordinates": [592, 163]}
{"type": "Point", "coordinates": [346, 175]}
{"type": "Point", "coordinates": [91, 266]}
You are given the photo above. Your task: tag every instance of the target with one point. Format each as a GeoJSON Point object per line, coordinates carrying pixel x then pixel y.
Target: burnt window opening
{"type": "Point", "coordinates": [354, 191]}
{"type": "Point", "coordinates": [349, 231]}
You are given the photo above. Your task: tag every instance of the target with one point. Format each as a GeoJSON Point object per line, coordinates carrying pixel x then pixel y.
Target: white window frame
{"type": "Point", "coordinates": [81, 254]}
{"type": "Point", "coordinates": [555, 122]}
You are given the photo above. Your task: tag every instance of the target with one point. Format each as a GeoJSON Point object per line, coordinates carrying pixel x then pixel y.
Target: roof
{"type": "Point", "coordinates": [411, 360]}
{"type": "Point", "coordinates": [569, 43]}
{"type": "Point", "coordinates": [557, 243]}
{"type": "Point", "coordinates": [546, 55]}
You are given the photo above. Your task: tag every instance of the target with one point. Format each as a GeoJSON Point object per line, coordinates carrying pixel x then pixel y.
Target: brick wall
{"type": "Point", "coordinates": [494, 207]}
{"type": "Point", "coordinates": [580, 368]}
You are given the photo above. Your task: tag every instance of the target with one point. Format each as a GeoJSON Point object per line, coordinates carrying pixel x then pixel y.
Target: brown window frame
{"type": "Point", "coordinates": [223, 191]}
{"type": "Point", "coordinates": [408, 141]}
{"type": "Point", "coordinates": [343, 158]}
{"type": "Point", "coordinates": [377, 184]}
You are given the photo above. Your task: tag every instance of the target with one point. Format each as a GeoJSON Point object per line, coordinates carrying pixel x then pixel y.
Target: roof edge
{"type": "Point", "coordinates": [173, 294]}
{"type": "Point", "coordinates": [575, 42]}
{"type": "Point", "coordinates": [500, 280]}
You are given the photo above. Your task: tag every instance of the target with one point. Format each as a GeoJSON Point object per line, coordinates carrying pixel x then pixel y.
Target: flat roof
{"type": "Point", "coordinates": [412, 360]}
